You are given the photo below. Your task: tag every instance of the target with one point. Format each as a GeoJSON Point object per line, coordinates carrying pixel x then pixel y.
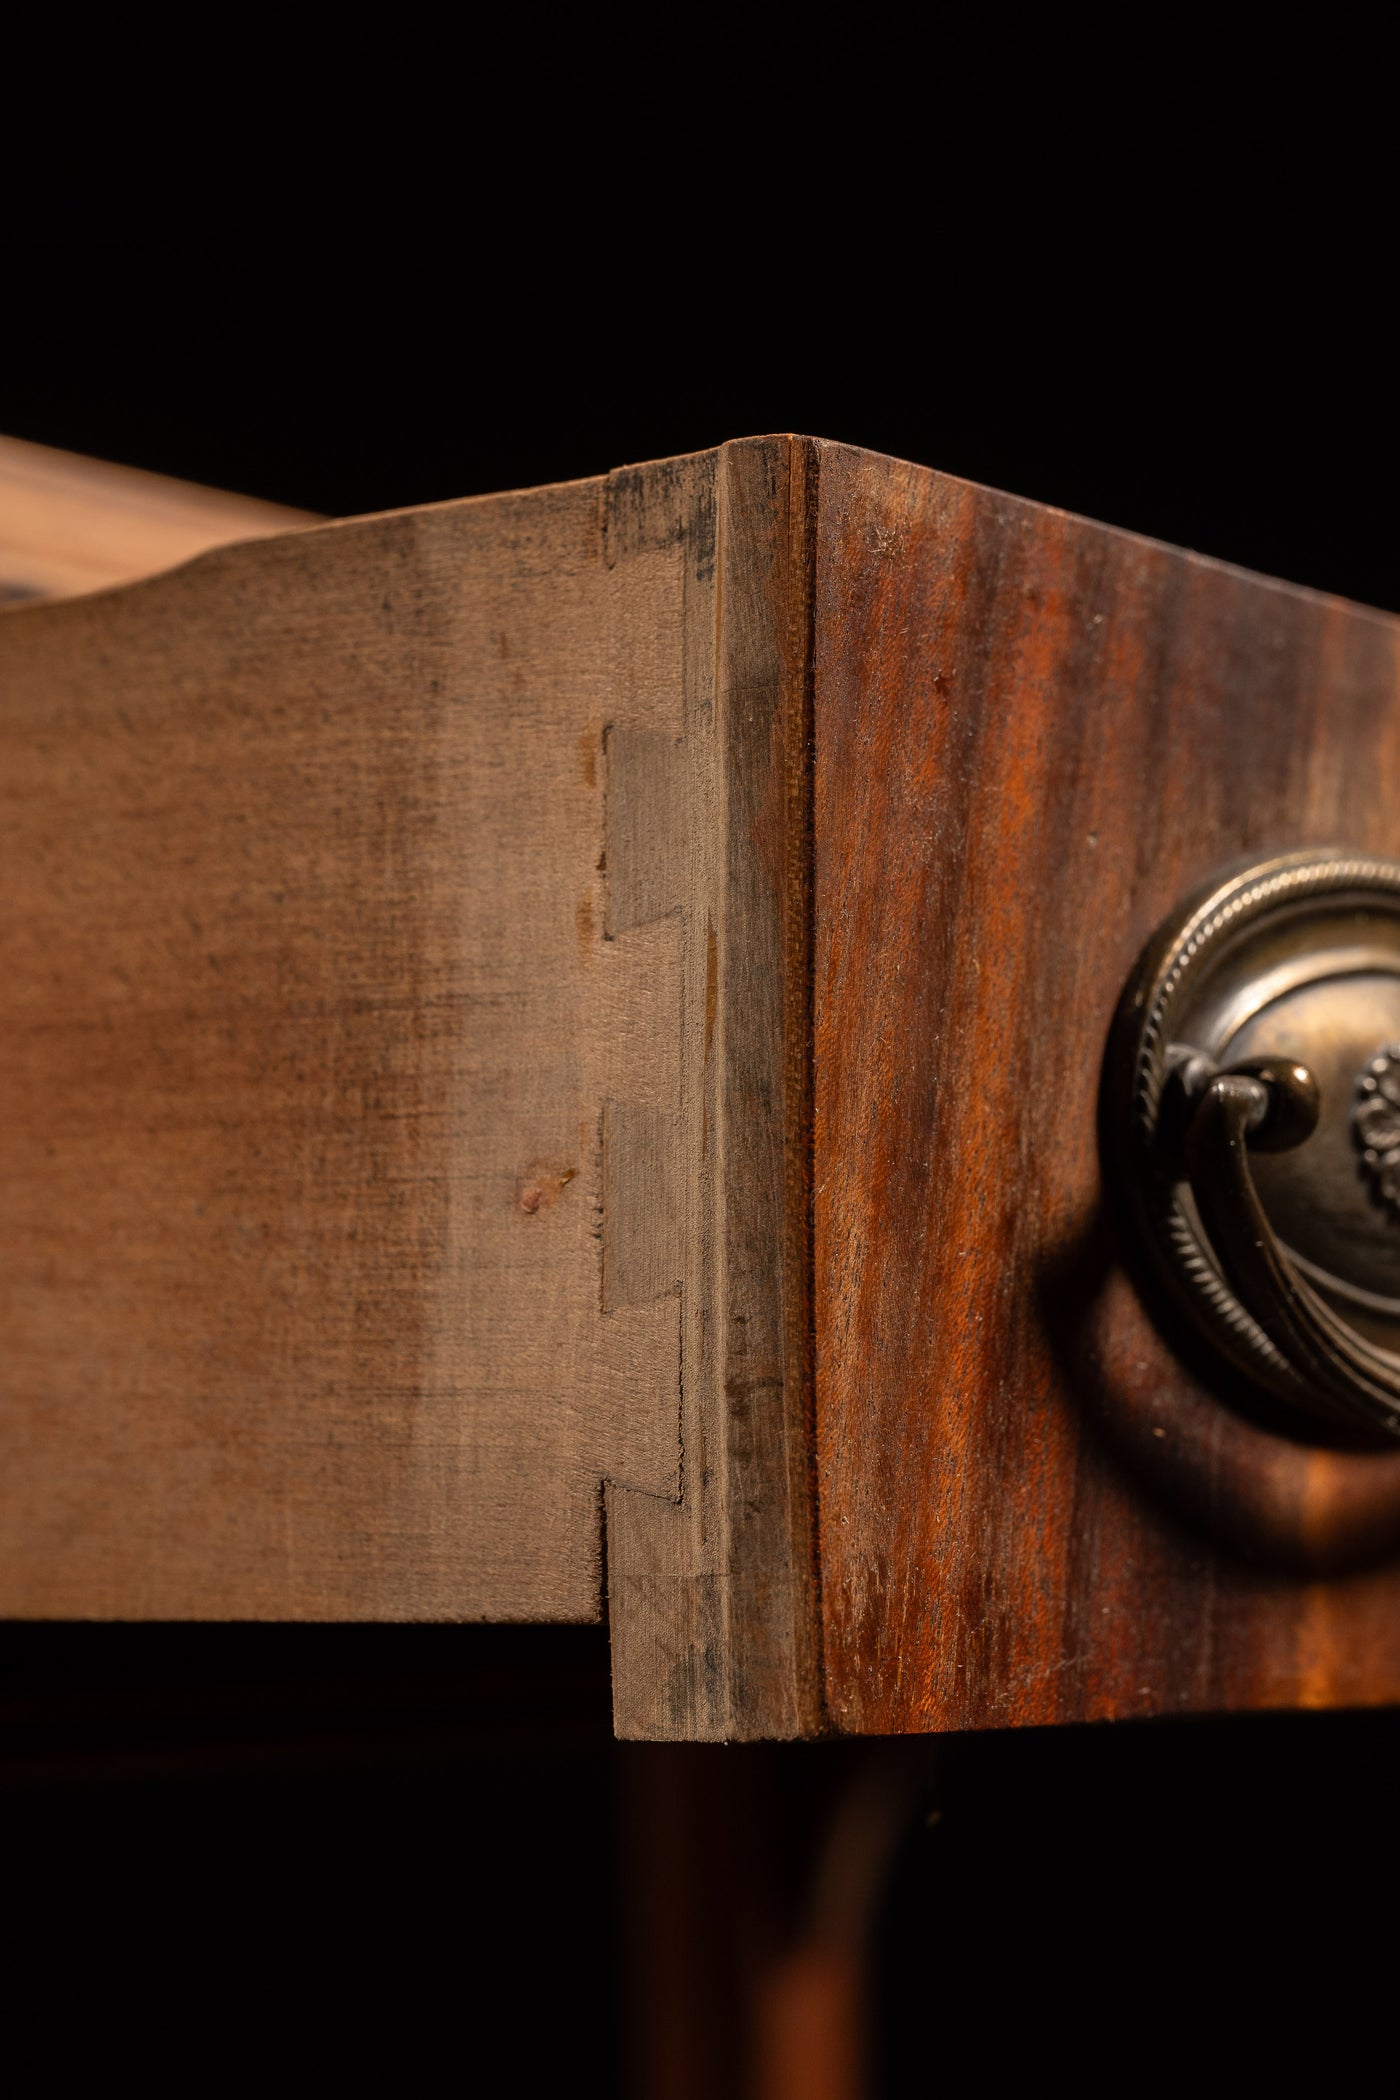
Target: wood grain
{"type": "Point", "coordinates": [1032, 736]}
{"type": "Point", "coordinates": [550, 1060]}
{"type": "Point", "coordinates": [69, 524]}
{"type": "Point", "coordinates": [392, 1110]}
{"type": "Point", "coordinates": [303, 1074]}
{"type": "Point", "coordinates": [713, 1600]}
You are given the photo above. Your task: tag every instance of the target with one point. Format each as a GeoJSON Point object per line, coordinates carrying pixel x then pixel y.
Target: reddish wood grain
{"type": "Point", "coordinates": [1032, 735]}
{"type": "Point", "coordinates": [806, 818]}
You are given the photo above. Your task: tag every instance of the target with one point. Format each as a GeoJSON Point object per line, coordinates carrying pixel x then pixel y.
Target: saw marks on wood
{"type": "Point", "coordinates": [311, 1021]}
{"type": "Point", "coordinates": [367, 1154]}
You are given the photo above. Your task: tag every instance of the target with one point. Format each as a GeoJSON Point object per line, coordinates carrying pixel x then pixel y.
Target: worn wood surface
{"type": "Point", "coordinates": [549, 1064]}
{"type": "Point", "coordinates": [1032, 736]}
{"type": "Point", "coordinates": [69, 524]}
{"type": "Point", "coordinates": [713, 1607]}
{"type": "Point", "coordinates": [393, 1139]}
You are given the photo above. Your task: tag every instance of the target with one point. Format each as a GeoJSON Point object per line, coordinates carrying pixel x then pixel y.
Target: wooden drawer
{"type": "Point", "coordinates": [550, 1067]}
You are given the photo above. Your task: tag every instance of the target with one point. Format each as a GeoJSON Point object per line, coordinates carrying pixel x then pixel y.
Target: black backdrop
{"type": "Point", "coordinates": [327, 1849]}
{"type": "Point", "coordinates": [1211, 367]}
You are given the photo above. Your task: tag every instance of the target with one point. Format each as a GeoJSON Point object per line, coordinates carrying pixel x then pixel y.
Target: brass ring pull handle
{"type": "Point", "coordinates": [1251, 1119]}
{"type": "Point", "coordinates": [1237, 1110]}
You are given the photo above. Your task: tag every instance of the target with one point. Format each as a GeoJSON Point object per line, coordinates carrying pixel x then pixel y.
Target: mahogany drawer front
{"type": "Point", "coordinates": [1032, 736]}
{"type": "Point", "coordinates": [552, 1047]}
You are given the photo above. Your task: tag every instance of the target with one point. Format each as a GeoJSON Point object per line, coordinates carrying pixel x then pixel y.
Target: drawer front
{"type": "Point", "coordinates": [1040, 1499]}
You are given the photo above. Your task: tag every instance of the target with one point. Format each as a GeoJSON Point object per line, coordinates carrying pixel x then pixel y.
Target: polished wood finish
{"type": "Point", "coordinates": [1032, 736]}
{"type": "Point", "coordinates": [70, 525]}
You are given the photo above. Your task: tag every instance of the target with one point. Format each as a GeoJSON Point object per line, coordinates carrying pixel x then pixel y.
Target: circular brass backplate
{"type": "Point", "coordinates": [1295, 957]}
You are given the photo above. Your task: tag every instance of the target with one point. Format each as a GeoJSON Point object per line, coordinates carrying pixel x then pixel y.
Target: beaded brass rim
{"type": "Point", "coordinates": [1303, 946]}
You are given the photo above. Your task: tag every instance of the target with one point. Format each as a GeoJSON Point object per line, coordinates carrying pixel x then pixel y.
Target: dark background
{"type": "Point", "coordinates": [1139, 338]}
{"type": "Point", "coordinates": [335, 1853]}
